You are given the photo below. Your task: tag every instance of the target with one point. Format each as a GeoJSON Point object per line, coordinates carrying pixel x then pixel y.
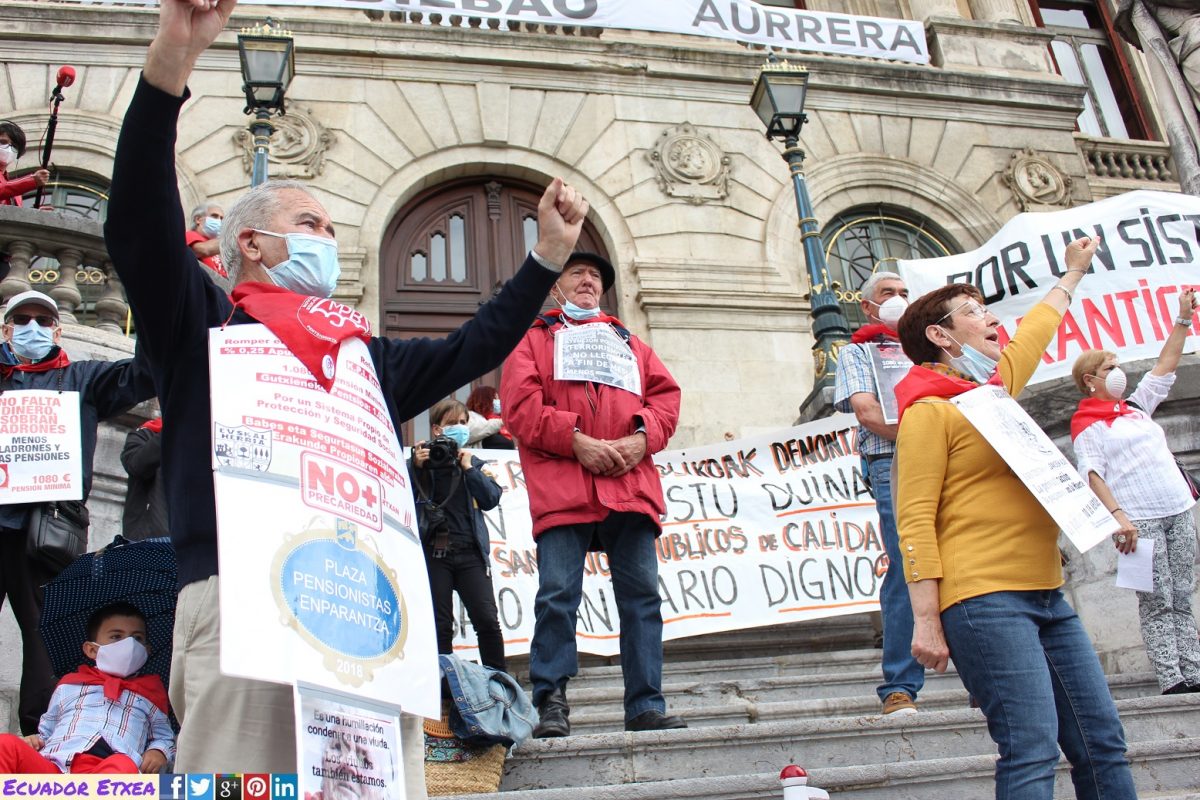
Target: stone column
{"type": "Point", "coordinates": [995, 11]}
{"type": "Point", "coordinates": [111, 308]}
{"type": "Point", "coordinates": [65, 292]}
{"type": "Point", "coordinates": [924, 9]}
{"type": "Point", "coordinates": [20, 255]}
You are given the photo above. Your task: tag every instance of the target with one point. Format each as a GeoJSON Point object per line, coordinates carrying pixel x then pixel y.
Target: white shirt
{"type": "Point", "coordinates": [1133, 458]}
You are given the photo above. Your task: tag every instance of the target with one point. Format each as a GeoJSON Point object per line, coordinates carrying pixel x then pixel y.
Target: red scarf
{"type": "Point", "coordinates": [147, 686]}
{"type": "Point", "coordinates": [558, 314]}
{"type": "Point", "coordinates": [153, 425]}
{"type": "Point", "coordinates": [1092, 410]}
{"type": "Point", "coordinates": [873, 331]}
{"type": "Point", "coordinates": [921, 381]}
{"type": "Point", "coordinates": [313, 328]}
{"type": "Point", "coordinates": [57, 361]}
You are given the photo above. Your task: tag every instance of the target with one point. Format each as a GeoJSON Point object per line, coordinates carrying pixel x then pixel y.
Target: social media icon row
{"type": "Point", "coordinates": [247, 786]}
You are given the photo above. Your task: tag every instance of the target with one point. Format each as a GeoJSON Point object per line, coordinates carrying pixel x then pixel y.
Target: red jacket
{"type": "Point", "coordinates": [543, 413]}
{"type": "Point", "coordinates": [12, 189]}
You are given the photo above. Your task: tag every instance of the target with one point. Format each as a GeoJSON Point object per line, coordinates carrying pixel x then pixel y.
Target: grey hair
{"type": "Point", "coordinates": [202, 211]}
{"type": "Point", "coordinates": [255, 209]}
{"type": "Point", "coordinates": [868, 288]}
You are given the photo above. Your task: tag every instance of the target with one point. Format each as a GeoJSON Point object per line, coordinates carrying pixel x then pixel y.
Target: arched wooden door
{"type": "Point", "coordinates": [449, 250]}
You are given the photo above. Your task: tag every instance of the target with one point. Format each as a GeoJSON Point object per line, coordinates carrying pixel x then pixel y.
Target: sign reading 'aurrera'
{"type": "Point", "coordinates": [737, 20]}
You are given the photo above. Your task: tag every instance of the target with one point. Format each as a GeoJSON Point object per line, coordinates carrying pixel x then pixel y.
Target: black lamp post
{"type": "Point", "coordinates": [778, 99]}
{"type": "Point", "coordinates": [268, 65]}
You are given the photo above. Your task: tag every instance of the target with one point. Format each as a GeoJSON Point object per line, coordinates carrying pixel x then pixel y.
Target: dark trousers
{"type": "Point", "coordinates": [21, 583]}
{"type": "Point", "coordinates": [462, 570]}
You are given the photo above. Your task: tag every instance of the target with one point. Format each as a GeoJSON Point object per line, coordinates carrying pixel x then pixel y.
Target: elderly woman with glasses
{"type": "Point", "coordinates": [1124, 456]}
{"type": "Point", "coordinates": [981, 554]}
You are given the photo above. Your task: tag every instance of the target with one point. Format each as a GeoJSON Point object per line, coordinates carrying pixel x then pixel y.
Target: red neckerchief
{"type": "Point", "coordinates": [1092, 410]}
{"type": "Point", "coordinates": [313, 328]}
{"type": "Point", "coordinates": [58, 361]}
{"type": "Point", "coordinates": [147, 686]}
{"type": "Point", "coordinates": [557, 312]}
{"type": "Point", "coordinates": [153, 425]}
{"type": "Point", "coordinates": [873, 331]}
{"type": "Point", "coordinates": [934, 380]}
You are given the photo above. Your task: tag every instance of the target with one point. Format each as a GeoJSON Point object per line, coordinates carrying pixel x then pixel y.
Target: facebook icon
{"type": "Point", "coordinates": [172, 787]}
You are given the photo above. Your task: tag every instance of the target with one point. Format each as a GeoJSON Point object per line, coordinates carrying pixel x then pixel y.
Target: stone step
{"type": "Point", "coordinates": [612, 758]}
{"type": "Point", "coordinates": [1163, 770]}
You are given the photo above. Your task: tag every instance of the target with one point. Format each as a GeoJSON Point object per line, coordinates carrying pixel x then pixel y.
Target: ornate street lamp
{"type": "Point", "coordinates": [268, 65]}
{"type": "Point", "coordinates": [778, 99]}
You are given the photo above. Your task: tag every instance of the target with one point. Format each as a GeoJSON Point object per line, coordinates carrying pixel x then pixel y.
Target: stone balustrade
{"type": "Point", "coordinates": [1119, 165]}
{"type": "Point", "coordinates": [64, 256]}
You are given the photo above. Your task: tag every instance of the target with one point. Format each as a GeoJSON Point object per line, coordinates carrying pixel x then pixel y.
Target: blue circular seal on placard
{"type": "Point", "coordinates": [342, 597]}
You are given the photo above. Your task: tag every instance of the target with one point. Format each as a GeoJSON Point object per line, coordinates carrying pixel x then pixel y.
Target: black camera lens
{"type": "Point", "coordinates": [443, 451]}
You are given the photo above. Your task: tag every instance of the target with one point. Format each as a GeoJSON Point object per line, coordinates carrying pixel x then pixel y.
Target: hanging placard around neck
{"type": "Point", "coordinates": [598, 354]}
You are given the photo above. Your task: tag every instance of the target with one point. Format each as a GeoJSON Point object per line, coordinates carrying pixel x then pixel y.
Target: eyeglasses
{"type": "Point", "coordinates": [973, 310]}
{"type": "Point", "coordinates": [42, 319]}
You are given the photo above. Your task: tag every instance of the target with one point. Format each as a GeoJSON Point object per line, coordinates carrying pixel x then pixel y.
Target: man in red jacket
{"type": "Point", "coordinates": [583, 439]}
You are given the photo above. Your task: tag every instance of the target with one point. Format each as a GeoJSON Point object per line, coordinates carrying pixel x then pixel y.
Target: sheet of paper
{"type": "Point", "coordinates": [1136, 570]}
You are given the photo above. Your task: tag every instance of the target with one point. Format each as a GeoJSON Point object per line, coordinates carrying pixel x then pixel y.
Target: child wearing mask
{"type": "Point", "coordinates": [103, 719]}
{"type": "Point", "coordinates": [12, 147]}
{"type": "Point", "coordinates": [452, 492]}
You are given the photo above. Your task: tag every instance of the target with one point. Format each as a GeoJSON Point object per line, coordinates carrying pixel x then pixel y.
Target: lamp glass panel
{"type": "Point", "coordinates": [761, 101]}
{"type": "Point", "coordinates": [261, 64]}
{"type": "Point", "coordinates": [788, 92]}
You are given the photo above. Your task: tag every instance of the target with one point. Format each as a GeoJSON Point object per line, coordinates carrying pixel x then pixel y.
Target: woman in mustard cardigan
{"type": "Point", "coordinates": [981, 554]}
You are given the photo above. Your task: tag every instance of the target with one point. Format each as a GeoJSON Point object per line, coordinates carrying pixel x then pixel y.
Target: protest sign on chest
{"type": "Point", "coordinates": [889, 365]}
{"type": "Point", "coordinates": [41, 451]}
{"type": "Point", "coordinates": [316, 526]}
{"type": "Point", "coordinates": [595, 353]}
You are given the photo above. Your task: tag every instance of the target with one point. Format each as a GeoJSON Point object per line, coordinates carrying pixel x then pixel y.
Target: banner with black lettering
{"type": "Point", "coordinates": [758, 531]}
{"type": "Point", "coordinates": [738, 20]}
{"type": "Point", "coordinates": [1128, 301]}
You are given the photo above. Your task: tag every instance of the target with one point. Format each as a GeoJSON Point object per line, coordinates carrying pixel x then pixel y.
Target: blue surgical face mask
{"type": "Point", "coordinates": [32, 341]}
{"type": "Point", "coordinates": [573, 311]}
{"type": "Point", "coordinates": [495, 405]}
{"type": "Point", "coordinates": [211, 227]}
{"type": "Point", "coordinates": [972, 363]}
{"type": "Point", "coordinates": [312, 266]}
{"type": "Point", "coordinates": [457, 433]}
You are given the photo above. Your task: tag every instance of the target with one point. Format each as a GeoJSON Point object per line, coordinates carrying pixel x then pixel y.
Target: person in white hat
{"type": "Point", "coordinates": [31, 358]}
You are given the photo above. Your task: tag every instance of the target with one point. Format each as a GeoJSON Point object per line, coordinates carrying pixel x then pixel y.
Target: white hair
{"type": "Point", "coordinates": [202, 211]}
{"type": "Point", "coordinates": [868, 287]}
{"type": "Point", "coordinates": [255, 209]}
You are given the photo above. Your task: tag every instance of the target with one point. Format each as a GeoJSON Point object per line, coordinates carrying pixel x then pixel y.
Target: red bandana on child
{"type": "Point", "coordinates": [148, 686]}
{"type": "Point", "coordinates": [313, 328]}
{"type": "Point", "coordinates": [1092, 410]}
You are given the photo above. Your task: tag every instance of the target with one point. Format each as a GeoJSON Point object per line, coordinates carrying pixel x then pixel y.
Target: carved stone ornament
{"type": "Point", "coordinates": [690, 165]}
{"type": "Point", "coordinates": [298, 145]}
{"type": "Point", "coordinates": [1037, 184]}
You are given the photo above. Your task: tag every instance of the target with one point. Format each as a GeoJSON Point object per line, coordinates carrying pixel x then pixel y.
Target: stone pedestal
{"type": "Point", "coordinates": [995, 47]}
{"type": "Point", "coordinates": [995, 11]}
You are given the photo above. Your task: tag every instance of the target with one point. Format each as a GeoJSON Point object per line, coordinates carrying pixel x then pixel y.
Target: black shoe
{"type": "Point", "coordinates": [654, 720]}
{"type": "Point", "coordinates": [553, 712]}
{"type": "Point", "coordinates": [1179, 688]}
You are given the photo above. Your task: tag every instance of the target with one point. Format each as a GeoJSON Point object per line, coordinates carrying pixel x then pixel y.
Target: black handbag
{"type": "Point", "coordinates": [57, 532]}
{"type": "Point", "coordinates": [1189, 479]}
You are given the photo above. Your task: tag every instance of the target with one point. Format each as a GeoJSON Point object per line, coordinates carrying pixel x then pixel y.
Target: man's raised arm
{"type": "Point", "coordinates": [186, 28]}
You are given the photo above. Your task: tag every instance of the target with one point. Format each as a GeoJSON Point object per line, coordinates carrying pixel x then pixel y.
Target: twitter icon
{"type": "Point", "coordinates": [200, 787]}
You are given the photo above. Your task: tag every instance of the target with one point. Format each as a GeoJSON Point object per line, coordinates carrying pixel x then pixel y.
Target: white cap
{"type": "Point", "coordinates": [31, 297]}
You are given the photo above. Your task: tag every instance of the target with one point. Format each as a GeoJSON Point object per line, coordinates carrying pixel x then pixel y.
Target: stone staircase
{"type": "Point", "coordinates": [758, 700]}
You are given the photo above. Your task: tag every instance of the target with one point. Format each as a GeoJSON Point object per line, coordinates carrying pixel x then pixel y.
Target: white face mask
{"type": "Point", "coordinates": [121, 658]}
{"type": "Point", "coordinates": [1115, 382]}
{"type": "Point", "coordinates": [891, 310]}
{"type": "Point", "coordinates": [8, 155]}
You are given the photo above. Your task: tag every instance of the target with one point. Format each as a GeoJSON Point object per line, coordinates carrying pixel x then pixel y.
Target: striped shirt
{"type": "Point", "coordinates": [854, 375]}
{"type": "Point", "coordinates": [80, 714]}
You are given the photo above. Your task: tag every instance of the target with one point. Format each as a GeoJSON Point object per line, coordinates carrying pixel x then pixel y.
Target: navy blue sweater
{"type": "Point", "coordinates": [174, 304]}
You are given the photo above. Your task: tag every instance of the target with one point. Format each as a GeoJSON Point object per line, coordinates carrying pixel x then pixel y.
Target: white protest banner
{"type": "Point", "coordinates": [1129, 301]}
{"type": "Point", "coordinates": [758, 531]}
{"type": "Point", "coordinates": [595, 353]}
{"type": "Point", "coordinates": [322, 576]}
{"type": "Point", "coordinates": [41, 454]}
{"type": "Point", "coordinates": [737, 20]}
{"type": "Point", "coordinates": [1045, 471]}
{"type": "Point", "coordinates": [346, 747]}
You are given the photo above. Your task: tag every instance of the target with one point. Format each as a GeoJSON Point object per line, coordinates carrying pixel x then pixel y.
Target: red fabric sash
{"type": "Point", "coordinates": [313, 328]}
{"type": "Point", "coordinates": [921, 381]}
{"type": "Point", "coordinates": [1092, 410]}
{"type": "Point", "coordinates": [558, 314]}
{"type": "Point", "coordinates": [873, 331]}
{"type": "Point", "coordinates": [153, 425]}
{"type": "Point", "coordinates": [147, 686]}
{"type": "Point", "coordinates": [59, 360]}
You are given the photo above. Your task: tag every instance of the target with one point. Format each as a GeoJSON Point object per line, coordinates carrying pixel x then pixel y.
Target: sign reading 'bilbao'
{"type": "Point", "coordinates": [737, 20]}
{"type": "Point", "coordinates": [1128, 301]}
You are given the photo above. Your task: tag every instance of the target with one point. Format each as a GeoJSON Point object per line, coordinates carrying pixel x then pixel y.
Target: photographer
{"type": "Point", "coordinates": [452, 492]}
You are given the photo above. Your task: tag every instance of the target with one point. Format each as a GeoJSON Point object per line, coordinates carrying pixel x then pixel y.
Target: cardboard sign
{"type": "Point", "coordinates": [41, 451]}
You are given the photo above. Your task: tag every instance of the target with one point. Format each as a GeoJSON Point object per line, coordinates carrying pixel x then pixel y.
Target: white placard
{"type": "Point", "coordinates": [346, 747]}
{"type": "Point", "coordinates": [889, 365]}
{"type": "Point", "coordinates": [737, 20]}
{"type": "Point", "coordinates": [1136, 570]}
{"type": "Point", "coordinates": [41, 454]}
{"type": "Point", "coordinates": [1128, 302]}
{"type": "Point", "coordinates": [1034, 459]}
{"type": "Point", "coordinates": [322, 575]}
{"type": "Point", "coordinates": [596, 353]}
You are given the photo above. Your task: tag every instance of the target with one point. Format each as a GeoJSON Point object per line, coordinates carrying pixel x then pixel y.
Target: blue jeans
{"type": "Point", "coordinates": [628, 539]}
{"type": "Point", "coordinates": [901, 672]}
{"type": "Point", "coordinates": [1027, 660]}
